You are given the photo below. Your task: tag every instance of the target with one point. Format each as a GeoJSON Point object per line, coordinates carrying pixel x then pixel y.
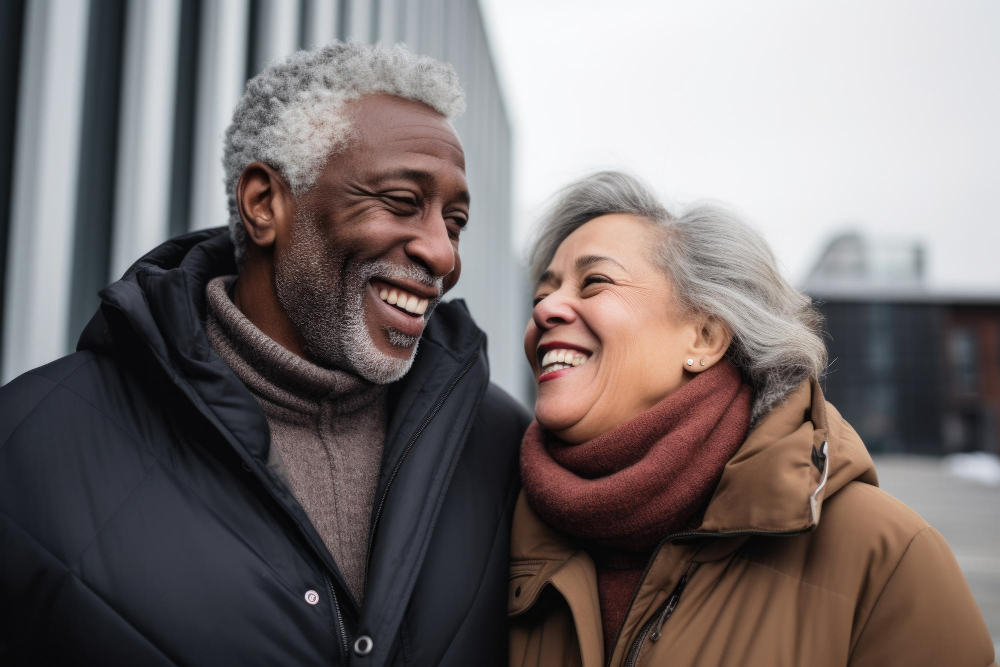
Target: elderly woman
{"type": "Point", "coordinates": [689, 497]}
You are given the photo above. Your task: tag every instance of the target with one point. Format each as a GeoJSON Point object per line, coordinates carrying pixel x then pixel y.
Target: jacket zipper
{"type": "Point", "coordinates": [678, 536]}
{"type": "Point", "coordinates": [671, 604]}
{"type": "Point", "coordinates": [335, 608]}
{"type": "Point", "coordinates": [655, 624]}
{"type": "Point", "coordinates": [406, 451]}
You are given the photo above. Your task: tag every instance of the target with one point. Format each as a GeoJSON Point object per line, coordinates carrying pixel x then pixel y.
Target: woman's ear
{"type": "Point", "coordinates": [265, 203]}
{"type": "Point", "coordinates": [711, 343]}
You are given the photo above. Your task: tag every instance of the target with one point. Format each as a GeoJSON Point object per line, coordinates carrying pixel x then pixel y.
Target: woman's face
{"type": "Point", "coordinates": [606, 340]}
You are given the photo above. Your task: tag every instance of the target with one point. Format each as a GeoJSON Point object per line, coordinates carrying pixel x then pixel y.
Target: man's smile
{"type": "Point", "coordinates": [405, 319]}
{"type": "Point", "coordinates": [403, 299]}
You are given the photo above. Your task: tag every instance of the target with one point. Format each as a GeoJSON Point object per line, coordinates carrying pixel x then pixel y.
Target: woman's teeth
{"type": "Point", "coordinates": [555, 360]}
{"type": "Point", "coordinates": [404, 301]}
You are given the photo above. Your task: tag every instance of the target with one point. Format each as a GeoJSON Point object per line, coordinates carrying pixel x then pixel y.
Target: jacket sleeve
{"type": "Point", "coordinates": [25, 566]}
{"type": "Point", "coordinates": [925, 614]}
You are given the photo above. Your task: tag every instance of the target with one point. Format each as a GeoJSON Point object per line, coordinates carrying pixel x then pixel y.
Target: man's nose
{"type": "Point", "coordinates": [432, 246]}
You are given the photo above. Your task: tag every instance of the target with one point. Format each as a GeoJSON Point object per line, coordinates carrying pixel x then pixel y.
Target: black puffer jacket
{"type": "Point", "coordinates": [139, 524]}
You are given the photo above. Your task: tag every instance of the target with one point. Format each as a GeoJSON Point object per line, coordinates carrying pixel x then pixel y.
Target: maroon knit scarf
{"type": "Point", "coordinates": [624, 491]}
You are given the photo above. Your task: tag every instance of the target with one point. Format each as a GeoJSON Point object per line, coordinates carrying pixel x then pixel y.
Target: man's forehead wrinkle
{"type": "Point", "coordinates": [448, 152]}
{"type": "Point", "coordinates": [399, 133]}
{"type": "Point", "coordinates": [395, 137]}
{"type": "Point", "coordinates": [424, 149]}
{"type": "Point", "coordinates": [412, 158]}
{"type": "Point", "coordinates": [444, 128]}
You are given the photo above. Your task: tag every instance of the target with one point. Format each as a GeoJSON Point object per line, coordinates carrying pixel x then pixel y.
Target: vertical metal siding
{"type": "Point", "coordinates": [387, 26]}
{"type": "Point", "coordinates": [95, 201]}
{"type": "Point", "coordinates": [221, 76]}
{"type": "Point", "coordinates": [320, 22]}
{"type": "Point", "coordinates": [142, 209]}
{"type": "Point", "coordinates": [11, 29]}
{"type": "Point", "coordinates": [184, 109]}
{"type": "Point", "coordinates": [40, 251]}
{"type": "Point", "coordinates": [275, 34]}
{"type": "Point", "coordinates": [358, 20]}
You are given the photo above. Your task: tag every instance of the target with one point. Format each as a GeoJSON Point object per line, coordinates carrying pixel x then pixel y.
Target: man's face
{"type": "Point", "coordinates": [374, 244]}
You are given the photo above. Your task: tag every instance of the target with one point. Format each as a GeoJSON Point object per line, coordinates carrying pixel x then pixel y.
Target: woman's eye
{"type": "Point", "coordinates": [592, 280]}
{"type": "Point", "coordinates": [537, 300]}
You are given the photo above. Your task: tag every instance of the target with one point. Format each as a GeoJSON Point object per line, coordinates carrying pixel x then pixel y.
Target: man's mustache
{"type": "Point", "coordinates": [390, 272]}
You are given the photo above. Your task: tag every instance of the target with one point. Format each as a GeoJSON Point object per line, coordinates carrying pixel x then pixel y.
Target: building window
{"type": "Point", "coordinates": [964, 353]}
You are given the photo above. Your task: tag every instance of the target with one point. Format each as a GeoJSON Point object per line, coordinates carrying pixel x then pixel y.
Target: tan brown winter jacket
{"type": "Point", "coordinates": [800, 560]}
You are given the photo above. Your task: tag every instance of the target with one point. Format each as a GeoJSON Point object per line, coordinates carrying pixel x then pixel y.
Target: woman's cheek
{"type": "Point", "coordinates": [531, 336]}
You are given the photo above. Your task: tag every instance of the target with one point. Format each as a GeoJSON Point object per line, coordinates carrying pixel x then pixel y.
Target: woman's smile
{"type": "Point", "coordinates": [557, 358]}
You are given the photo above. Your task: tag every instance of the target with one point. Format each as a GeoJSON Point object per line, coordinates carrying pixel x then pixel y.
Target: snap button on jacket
{"type": "Point", "coordinates": [800, 560]}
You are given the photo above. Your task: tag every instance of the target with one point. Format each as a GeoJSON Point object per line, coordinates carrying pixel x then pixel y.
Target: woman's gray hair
{"type": "Point", "coordinates": [718, 266]}
{"type": "Point", "coordinates": [291, 116]}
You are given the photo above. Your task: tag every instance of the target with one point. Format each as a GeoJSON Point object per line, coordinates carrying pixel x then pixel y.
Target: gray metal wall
{"type": "Point", "coordinates": [111, 122]}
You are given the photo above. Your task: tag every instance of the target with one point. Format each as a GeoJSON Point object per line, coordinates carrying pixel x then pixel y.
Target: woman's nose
{"type": "Point", "coordinates": [553, 310]}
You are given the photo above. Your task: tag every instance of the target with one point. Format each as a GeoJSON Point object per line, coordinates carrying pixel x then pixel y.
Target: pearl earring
{"type": "Point", "coordinates": [690, 362]}
{"type": "Point", "coordinates": [702, 362]}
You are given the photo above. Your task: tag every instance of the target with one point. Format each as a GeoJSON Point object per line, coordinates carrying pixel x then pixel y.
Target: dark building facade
{"type": "Point", "coordinates": [915, 375]}
{"type": "Point", "coordinates": [912, 369]}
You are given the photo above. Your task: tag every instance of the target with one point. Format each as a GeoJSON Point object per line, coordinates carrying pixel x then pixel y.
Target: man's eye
{"type": "Point", "coordinates": [404, 199]}
{"type": "Point", "coordinates": [537, 300]}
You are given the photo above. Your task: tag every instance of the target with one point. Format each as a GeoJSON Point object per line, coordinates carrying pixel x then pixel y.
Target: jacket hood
{"type": "Point", "coordinates": [799, 454]}
{"type": "Point", "coordinates": [160, 304]}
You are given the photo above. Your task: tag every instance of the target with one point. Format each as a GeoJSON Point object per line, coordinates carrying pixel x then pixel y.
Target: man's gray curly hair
{"type": "Point", "coordinates": [291, 116]}
{"type": "Point", "coordinates": [718, 266]}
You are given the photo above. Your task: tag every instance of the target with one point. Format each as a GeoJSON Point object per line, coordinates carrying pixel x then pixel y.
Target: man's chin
{"type": "Point", "coordinates": [378, 359]}
{"type": "Point", "coordinates": [400, 345]}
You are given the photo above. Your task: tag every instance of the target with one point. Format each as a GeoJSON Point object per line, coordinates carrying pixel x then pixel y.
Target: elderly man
{"type": "Point", "coordinates": [276, 445]}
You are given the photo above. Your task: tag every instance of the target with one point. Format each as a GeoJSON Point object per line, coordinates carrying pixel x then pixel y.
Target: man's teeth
{"type": "Point", "coordinates": [555, 360]}
{"type": "Point", "coordinates": [408, 302]}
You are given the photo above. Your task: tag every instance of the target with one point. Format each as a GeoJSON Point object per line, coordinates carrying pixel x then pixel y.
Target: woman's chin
{"type": "Point", "coordinates": [556, 417]}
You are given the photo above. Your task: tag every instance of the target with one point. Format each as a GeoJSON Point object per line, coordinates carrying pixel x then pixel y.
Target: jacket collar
{"type": "Point", "coordinates": [158, 306]}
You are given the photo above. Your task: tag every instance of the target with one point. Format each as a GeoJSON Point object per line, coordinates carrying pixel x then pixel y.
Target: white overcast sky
{"type": "Point", "coordinates": [810, 118]}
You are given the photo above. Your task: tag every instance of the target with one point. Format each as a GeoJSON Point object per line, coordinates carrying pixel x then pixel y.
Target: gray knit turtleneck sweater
{"type": "Point", "coordinates": [327, 429]}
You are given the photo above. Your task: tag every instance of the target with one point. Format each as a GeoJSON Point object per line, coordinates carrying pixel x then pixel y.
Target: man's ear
{"type": "Point", "coordinates": [711, 343]}
{"type": "Point", "coordinates": [265, 203]}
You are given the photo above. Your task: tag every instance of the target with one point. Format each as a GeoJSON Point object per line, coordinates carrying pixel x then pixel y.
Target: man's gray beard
{"type": "Point", "coordinates": [328, 309]}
